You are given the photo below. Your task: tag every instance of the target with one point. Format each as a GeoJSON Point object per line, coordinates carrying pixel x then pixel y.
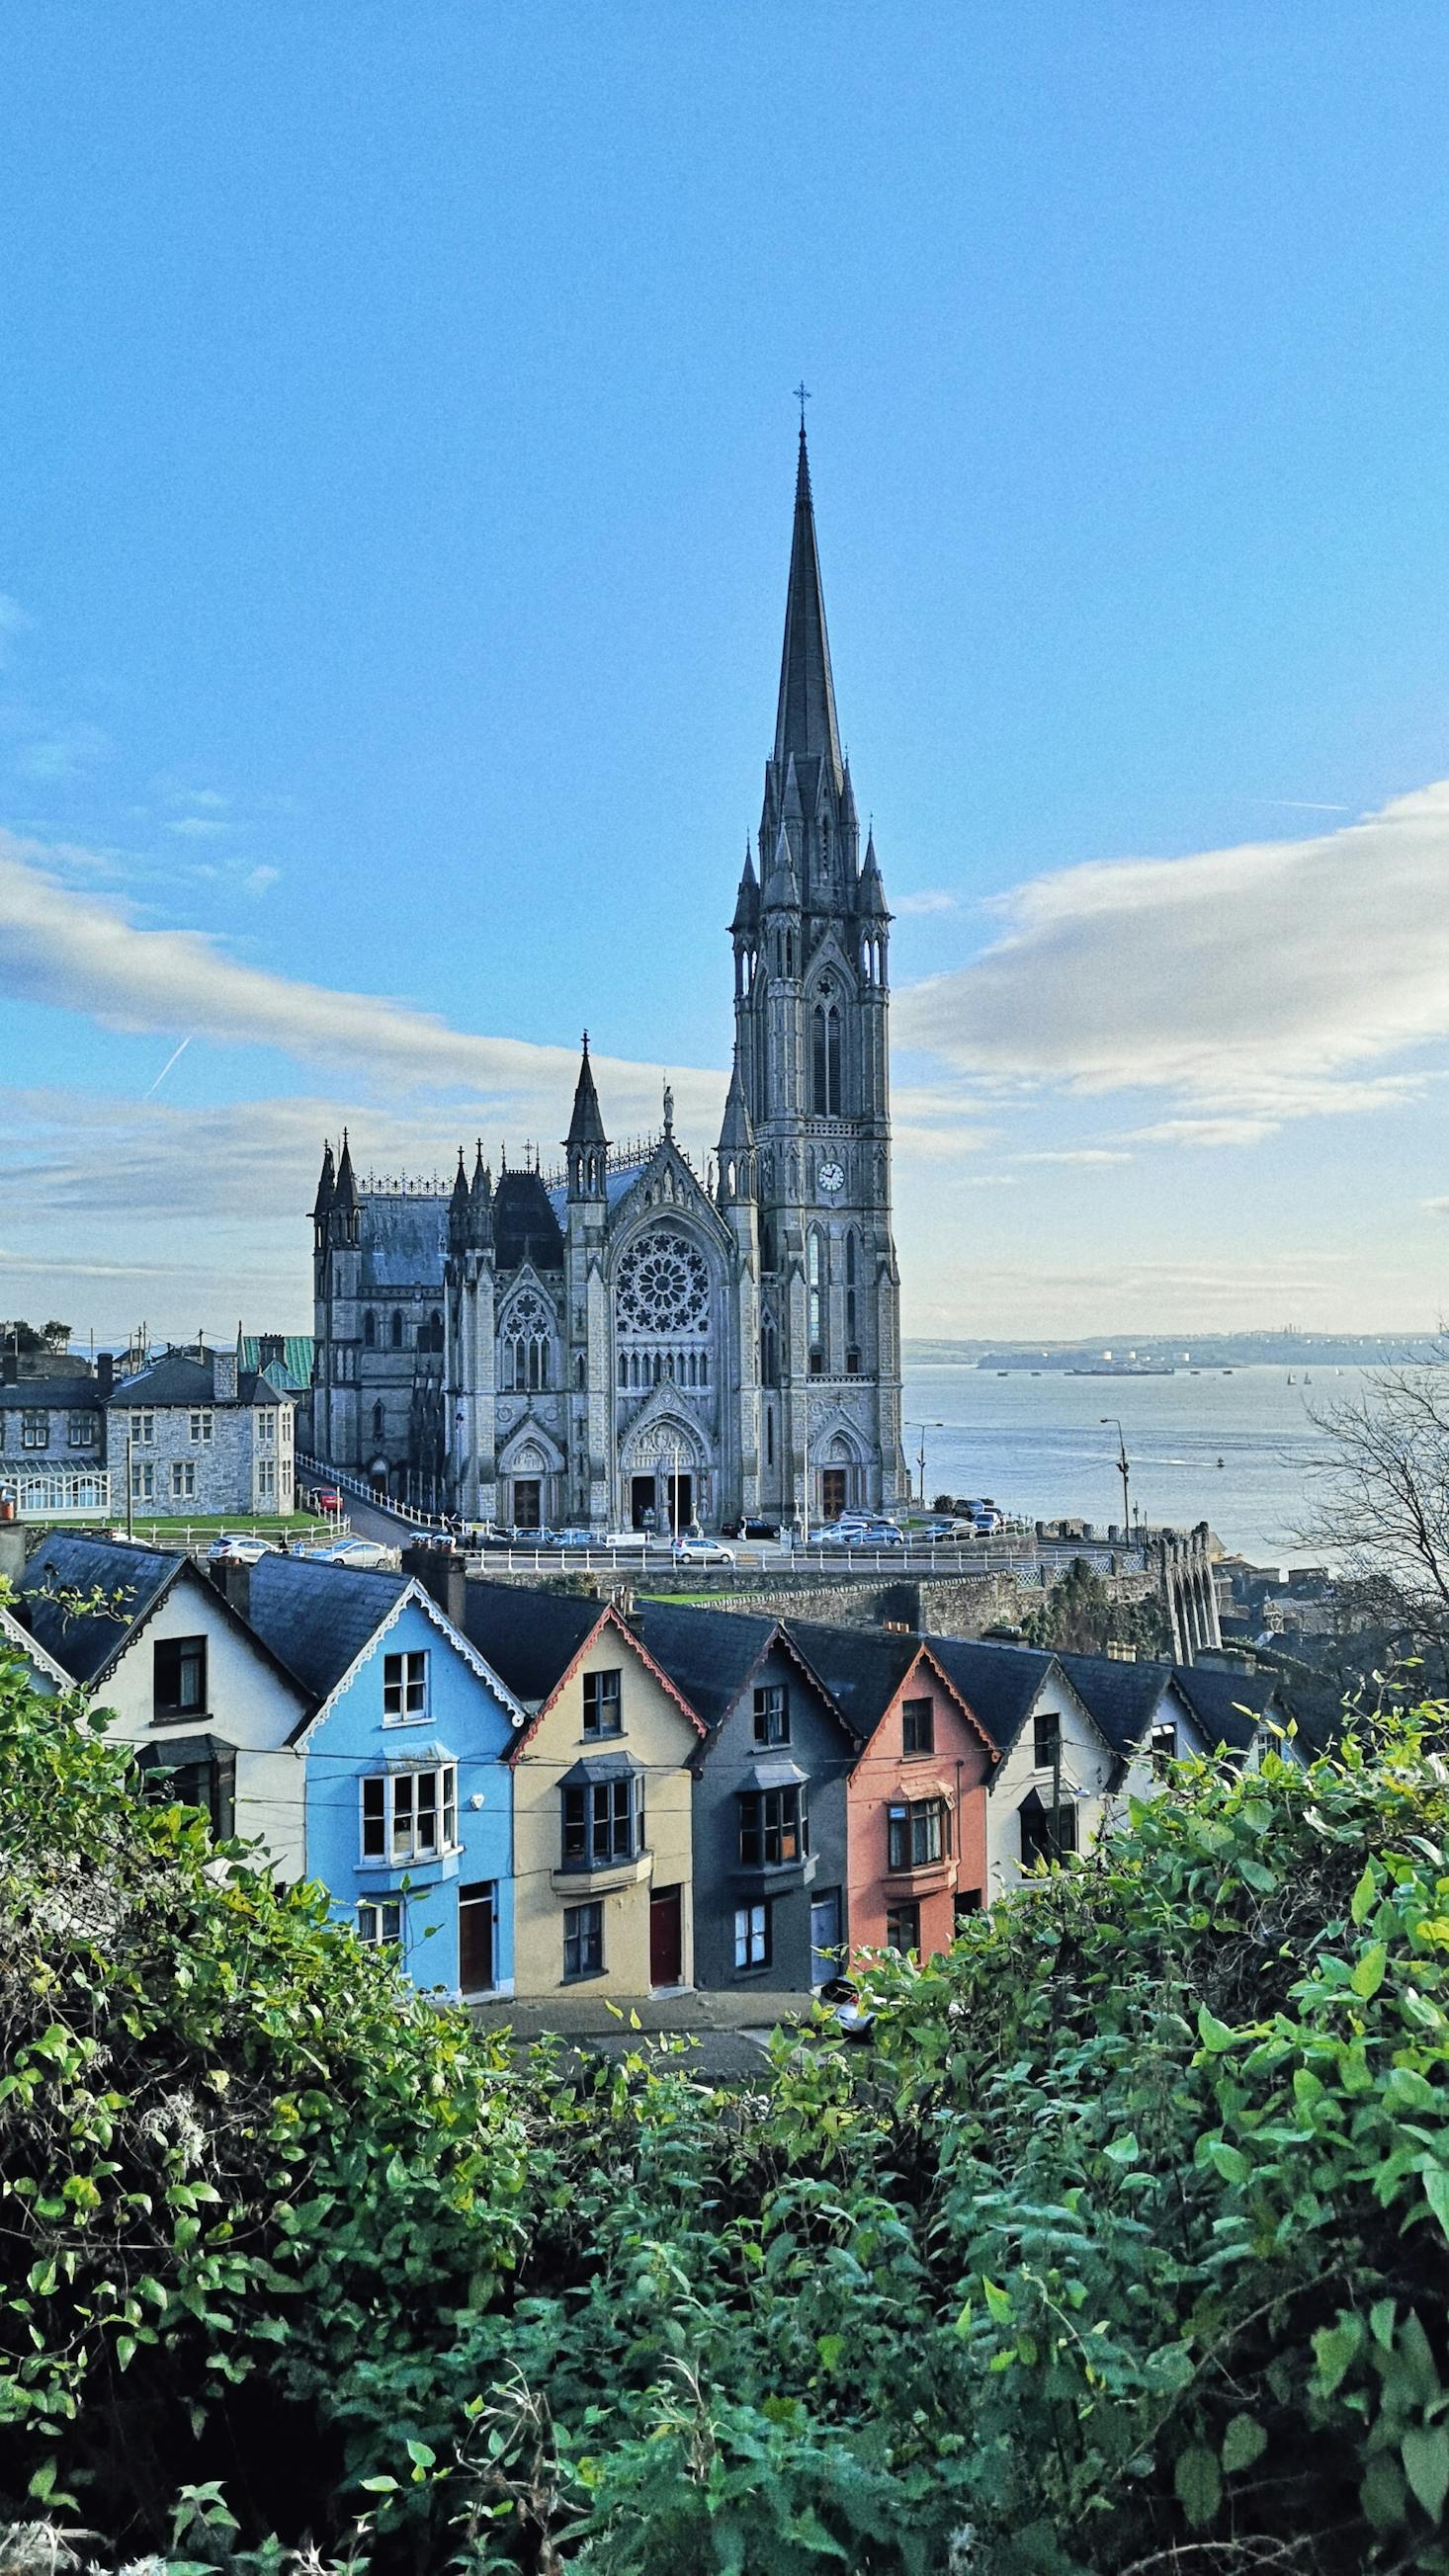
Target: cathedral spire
{"type": "Point", "coordinates": [344, 1196]}
{"type": "Point", "coordinates": [325, 1186]}
{"type": "Point", "coordinates": [747, 901]}
{"type": "Point", "coordinates": [736, 1136]}
{"type": "Point", "coordinates": [586, 1127]}
{"type": "Point", "coordinates": [805, 721]}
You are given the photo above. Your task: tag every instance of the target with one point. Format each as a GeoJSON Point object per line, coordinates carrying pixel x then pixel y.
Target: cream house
{"type": "Point", "coordinates": [602, 1831]}
{"type": "Point", "coordinates": [185, 1679]}
{"type": "Point", "coordinates": [1054, 1785]}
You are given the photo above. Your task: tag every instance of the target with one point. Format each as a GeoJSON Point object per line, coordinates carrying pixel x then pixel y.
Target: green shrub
{"type": "Point", "coordinates": [1123, 2247]}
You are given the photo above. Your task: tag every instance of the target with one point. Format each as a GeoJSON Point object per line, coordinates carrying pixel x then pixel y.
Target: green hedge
{"type": "Point", "coordinates": [1123, 2247]}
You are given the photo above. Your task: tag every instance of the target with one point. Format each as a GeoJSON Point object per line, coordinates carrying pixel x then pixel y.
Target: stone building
{"type": "Point", "coordinates": [198, 1436]}
{"type": "Point", "coordinates": [628, 1336]}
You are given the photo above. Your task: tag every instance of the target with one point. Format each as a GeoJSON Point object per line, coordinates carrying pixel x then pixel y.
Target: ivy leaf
{"type": "Point", "coordinates": [1368, 1976]}
{"type": "Point", "coordinates": [1199, 2484]}
{"type": "Point", "coordinates": [1364, 1895]}
{"type": "Point", "coordinates": [1436, 2192]}
{"type": "Point", "coordinates": [1244, 2442]}
{"type": "Point", "coordinates": [1214, 2034]}
{"type": "Point", "coordinates": [1425, 2454]}
{"type": "Point", "coordinates": [1335, 2348]}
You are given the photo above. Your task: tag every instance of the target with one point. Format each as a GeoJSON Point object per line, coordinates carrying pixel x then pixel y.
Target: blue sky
{"type": "Point", "coordinates": [398, 460]}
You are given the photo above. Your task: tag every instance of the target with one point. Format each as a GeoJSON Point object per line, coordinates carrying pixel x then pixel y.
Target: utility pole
{"type": "Point", "coordinates": [128, 1485]}
{"type": "Point", "coordinates": [1122, 1470]}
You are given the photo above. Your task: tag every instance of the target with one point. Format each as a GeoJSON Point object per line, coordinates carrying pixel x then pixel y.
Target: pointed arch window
{"type": "Point", "coordinates": [825, 1060]}
{"type": "Point", "coordinates": [397, 1328]}
{"type": "Point", "coordinates": [377, 1421]}
{"type": "Point", "coordinates": [525, 1345]}
{"type": "Point", "coordinates": [369, 1331]}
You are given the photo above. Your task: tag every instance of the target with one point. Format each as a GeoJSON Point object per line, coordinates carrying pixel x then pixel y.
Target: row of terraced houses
{"type": "Point", "coordinates": [525, 1789]}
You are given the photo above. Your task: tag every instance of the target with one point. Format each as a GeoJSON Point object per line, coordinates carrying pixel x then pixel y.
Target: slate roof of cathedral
{"type": "Point", "coordinates": [525, 1227]}
{"type": "Point", "coordinates": [317, 1618]}
{"type": "Point", "coordinates": [132, 1580]}
{"type": "Point", "coordinates": [404, 1241]}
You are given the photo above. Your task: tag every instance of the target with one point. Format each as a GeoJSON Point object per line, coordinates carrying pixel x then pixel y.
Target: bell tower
{"type": "Point", "coordinates": [811, 941]}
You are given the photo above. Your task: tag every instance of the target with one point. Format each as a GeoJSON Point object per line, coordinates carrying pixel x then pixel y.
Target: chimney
{"type": "Point", "coordinates": [442, 1572]}
{"type": "Point", "coordinates": [105, 1373]}
{"type": "Point", "coordinates": [223, 1376]}
{"type": "Point", "coordinates": [234, 1582]}
{"type": "Point", "coordinates": [9, 1368]}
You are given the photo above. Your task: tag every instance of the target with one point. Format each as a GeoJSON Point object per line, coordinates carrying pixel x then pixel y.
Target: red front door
{"type": "Point", "coordinates": [832, 1492]}
{"type": "Point", "coordinates": [666, 1936]}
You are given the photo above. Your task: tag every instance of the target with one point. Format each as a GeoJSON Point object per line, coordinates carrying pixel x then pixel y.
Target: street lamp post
{"type": "Point", "coordinates": [1122, 1470]}
{"type": "Point", "coordinates": [923, 1428]}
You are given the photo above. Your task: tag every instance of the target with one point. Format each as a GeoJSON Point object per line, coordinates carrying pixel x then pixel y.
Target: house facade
{"type": "Point", "coordinates": [195, 1435]}
{"type": "Point", "coordinates": [404, 1761]}
{"type": "Point", "coordinates": [182, 1677]}
{"type": "Point", "coordinates": [1053, 1786]}
{"type": "Point", "coordinates": [602, 1822]}
{"type": "Point", "coordinates": [770, 1804]}
{"type": "Point", "coordinates": [916, 1793]}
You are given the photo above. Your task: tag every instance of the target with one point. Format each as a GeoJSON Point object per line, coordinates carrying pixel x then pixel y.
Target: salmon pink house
{"type": "Point", "coordinates": [916, 1794]}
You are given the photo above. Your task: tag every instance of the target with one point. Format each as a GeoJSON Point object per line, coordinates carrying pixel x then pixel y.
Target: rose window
{"type": "Point", "coordinates": [663, 1287]}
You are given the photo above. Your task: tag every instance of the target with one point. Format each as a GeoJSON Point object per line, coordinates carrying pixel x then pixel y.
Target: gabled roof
{"type": "Point", "coordinates": [534, 1639]}
{"type": "Point", "coordinates": [714, 1655]}
{"type": "Point", "coordinates": [1229, 1706]}
{"type": "Point", "coordinates": [1122, 1699]}
{"type": "Point", "coordinates": [1001, 1683]}
{"type": "Point", "coordinates": [861, 1670]}
{"type": "Point", "coordinates": [320, 1620]}
{"type": "Point", "coordinates": [30, 1649]}
{"type": "Point", "coordinates": [133, 1583]}
{"type": "Point", "coordinates": [297, 1354]}
{"type": "Point", "coordinates": [130, 1582]}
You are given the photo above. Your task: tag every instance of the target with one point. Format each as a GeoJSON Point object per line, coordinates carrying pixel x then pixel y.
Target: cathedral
{"type": "Point", "coordinates": [627, 1343]}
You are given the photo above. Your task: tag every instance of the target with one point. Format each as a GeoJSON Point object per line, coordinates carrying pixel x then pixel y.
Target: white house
{"type": "Point", "coordinates": [150, 1640]}
{"type": "Point", "coordinates": [1057, 1773]}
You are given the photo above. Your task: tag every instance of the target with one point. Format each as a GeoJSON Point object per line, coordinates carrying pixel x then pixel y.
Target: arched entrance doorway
{"type": "Point", "coordinates": [664, 1478]}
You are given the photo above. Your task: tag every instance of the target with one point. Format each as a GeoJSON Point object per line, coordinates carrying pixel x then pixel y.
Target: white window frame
{"type": "Point", "coordinates": [753, 1945]}
{"type": "Point", "coordinates": [267, 1429]}
{"type": "Point", "coordinates": [183, 1480]}
{"type": "Point", "coordinates": [142, 1428]}
{"type": "Point", "coordinates": [406, 1686]}
{"type": "Point", "coordinates": [80, 1431]}
{"type": "Point", "coordinates": [143, 1481]}
{"type": "Point", "coordinates": [380, 1922]}
{"type": "Point", "coordinates": [414, 1816]}
{"type": "Point", "coordinates": [266, 1477]}
{"type": "Point", "coordinates": [35, 1430]}
{"type": "Point", "coordinates": [203, 1424]}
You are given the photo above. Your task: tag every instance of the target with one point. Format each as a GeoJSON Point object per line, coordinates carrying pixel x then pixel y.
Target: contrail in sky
{"type": "Point", "coordinates": [171, 1059]}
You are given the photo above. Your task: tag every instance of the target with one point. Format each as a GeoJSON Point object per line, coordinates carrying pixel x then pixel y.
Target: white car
{"type": "Point", "coordinates": [239, 1547]}
{"type": "Point", "coordinates": [701, 1551]}
{"type": "Point", "coordinates": [368, 1553]}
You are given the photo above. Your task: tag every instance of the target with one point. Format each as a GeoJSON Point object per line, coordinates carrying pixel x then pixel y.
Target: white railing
{"type": "Point", "coordinates": [347, 1483]}
{"type": "Point", "coordinates": [59, 1493]}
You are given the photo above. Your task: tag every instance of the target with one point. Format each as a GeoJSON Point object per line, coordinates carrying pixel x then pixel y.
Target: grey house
{"type": "Point", "coordinates": [770, 1799]}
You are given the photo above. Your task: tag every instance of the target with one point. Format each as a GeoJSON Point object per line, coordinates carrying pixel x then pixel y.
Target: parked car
{"type": "Point", "coordinates": [840, 1998]}
{"type": "Point", "coordinates": [239, 1547]}
{"type": "Point", "coordinates": [368, 1553]}
{"type": "Point", "coordinates": [762, 1529]}
{"type": "Point", "coordinates": [574, 1538]}
{"type": "Point", "coordinates": [326, 1498]}
{"type": "Point", "coordinates": [701, 1551]}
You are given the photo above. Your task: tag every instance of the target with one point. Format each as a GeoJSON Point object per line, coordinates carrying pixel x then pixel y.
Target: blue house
{"type": "Point", "coordinates": [408, 1793]}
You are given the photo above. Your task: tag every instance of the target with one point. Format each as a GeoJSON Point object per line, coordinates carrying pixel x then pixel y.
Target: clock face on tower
{"type": "Point", "coordinates": [832, 1179]}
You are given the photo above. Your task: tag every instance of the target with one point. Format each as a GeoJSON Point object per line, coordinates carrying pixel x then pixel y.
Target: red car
{"type": "Point", "coordinates": [326, 1498]}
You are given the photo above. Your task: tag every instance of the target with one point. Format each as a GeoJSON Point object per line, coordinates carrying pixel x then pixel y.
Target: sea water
{"type": "Point", "coordinates": [1234, 1448]}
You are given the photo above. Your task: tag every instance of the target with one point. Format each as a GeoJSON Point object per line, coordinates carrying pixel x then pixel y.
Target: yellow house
{"type": "Point", "coordinates": [602, 1841]}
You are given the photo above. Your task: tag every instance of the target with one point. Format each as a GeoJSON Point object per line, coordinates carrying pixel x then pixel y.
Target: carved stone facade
{"type": "Point", "coordinates": [619, 1340]}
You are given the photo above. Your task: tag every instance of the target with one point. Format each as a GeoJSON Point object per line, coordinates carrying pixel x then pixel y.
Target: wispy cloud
{"type": "Point", "coordinates": [1078, 1154]}
{"type": "Point", "coordinates": [75, 951]}
{"type": "Point", "coordinates": [257, 880]}
{"type": "Point", "coordinates": [1257, 984]}
{"type": "Point", "coordinates": [198, 827]}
